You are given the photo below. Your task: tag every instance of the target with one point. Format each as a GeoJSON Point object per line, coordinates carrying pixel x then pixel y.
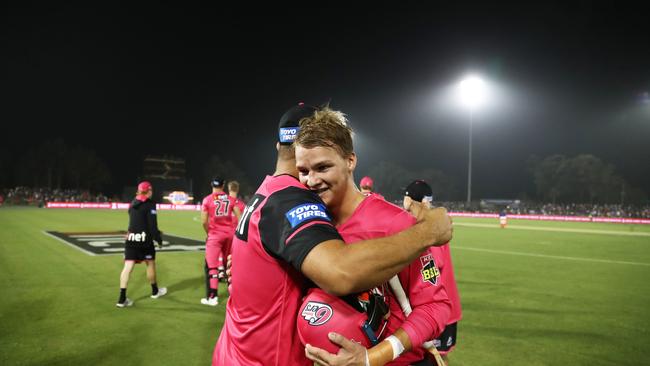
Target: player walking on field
{"type": "Point", "coordinates": [216, 217]}
{"type": "Point", "coordinates": [286, 236]}
{"type": "Point", "coordinates": [143, 231]}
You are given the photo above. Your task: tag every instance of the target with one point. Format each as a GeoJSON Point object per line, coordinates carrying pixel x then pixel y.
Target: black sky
{"type": "Point", "coordinates": [192, 82]}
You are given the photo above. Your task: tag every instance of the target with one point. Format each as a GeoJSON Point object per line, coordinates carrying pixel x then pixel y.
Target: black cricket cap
{"type": "Point", "coordinates": [217, 182]}
{"type": "Point", "coordinates": [419, 190]}
{"type": "Point", "coordinates": [289, 123]}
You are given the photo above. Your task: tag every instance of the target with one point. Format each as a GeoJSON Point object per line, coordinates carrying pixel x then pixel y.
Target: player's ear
{"type": "Point", "coordinates": [277, 146]}
{"type": "Point", "coordinates": [352, 162]}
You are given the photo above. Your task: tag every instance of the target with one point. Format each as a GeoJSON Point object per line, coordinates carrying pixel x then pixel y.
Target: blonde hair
{"type": "Point", "coordinates": [326, 128]}
{"type": "Point", "coordinates": [233, 186]}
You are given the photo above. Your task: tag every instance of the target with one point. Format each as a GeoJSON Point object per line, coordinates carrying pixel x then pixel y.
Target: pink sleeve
{"type": "Point", "coordinates": [204, 205]}
{"type": "Point", "coordinates": [429, 300]}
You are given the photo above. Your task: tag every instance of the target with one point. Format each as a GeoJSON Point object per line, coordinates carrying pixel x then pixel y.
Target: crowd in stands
{"type": "Point", "coordinates": [39, 196]}
{"type": "Point", "coordinates": [558, 209]}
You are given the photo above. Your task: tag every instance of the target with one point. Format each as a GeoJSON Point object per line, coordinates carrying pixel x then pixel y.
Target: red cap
{"type": "Point", "coordinates": [144, 187]}
{"type": "Point", "coordinates": [366, 182]}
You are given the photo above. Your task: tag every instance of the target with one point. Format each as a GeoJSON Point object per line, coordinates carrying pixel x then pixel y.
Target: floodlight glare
{"type": "Point", "coordinates": [472, 91]}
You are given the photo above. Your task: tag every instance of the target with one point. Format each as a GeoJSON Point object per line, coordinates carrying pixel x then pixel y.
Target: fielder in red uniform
{"type": "Point", "coordinates": [286, 237]}
{"type": "Point", "coordinates": [216, 216]}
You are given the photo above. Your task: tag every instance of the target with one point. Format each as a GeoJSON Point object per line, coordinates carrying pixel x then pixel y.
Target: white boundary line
{"type": "Point", "coordinates": [68, 244]}
{"type": "Point", "coordinates": [548, 228]}
{"type": "Point", "coordinates": [95, 255]}
{"type": "Point", "coordinates": [550, 256]}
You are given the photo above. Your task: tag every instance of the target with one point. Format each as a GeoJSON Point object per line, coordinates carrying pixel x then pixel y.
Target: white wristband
{"type": "Point", "coordinates": [397, 345]}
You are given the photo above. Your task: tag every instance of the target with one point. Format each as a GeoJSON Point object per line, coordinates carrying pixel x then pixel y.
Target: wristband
{"type": "Point", "coordinates": [397, 345]}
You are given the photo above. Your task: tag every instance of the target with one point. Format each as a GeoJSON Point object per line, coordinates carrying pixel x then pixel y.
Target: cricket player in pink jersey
{"type": "Point", "coordinates": [325, 160]}
{"type": "Point", "coordinates": [233, 191]}
{"type": "Point", "coordinates": [216, 216]}
{"type": "Point", "coordinates": [420, 191]}
{"type": "Point", "coordinates": [366, 184]}
{"type": "Point", "coordinates": [285, 238]}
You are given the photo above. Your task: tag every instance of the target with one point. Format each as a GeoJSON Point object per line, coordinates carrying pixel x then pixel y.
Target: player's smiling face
{"type": "Point", "coordinates": [324, 171]}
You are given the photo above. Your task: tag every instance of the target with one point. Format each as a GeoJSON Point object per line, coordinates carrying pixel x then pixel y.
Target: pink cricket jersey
{"type": "Point", "coordinates": [374, 218]}
{"type": "Point", "coordinates": [282, 223]}
{"type": "Point", "coordinates": [219, 207]}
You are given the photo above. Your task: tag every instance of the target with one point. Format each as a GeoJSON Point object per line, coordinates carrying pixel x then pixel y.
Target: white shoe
{"type": "Point", "coordinates": [213, 301]}
{"type": "Point", "coordinates": [161, 292]}
{"type": "Point", "coordinates": [128, 302]}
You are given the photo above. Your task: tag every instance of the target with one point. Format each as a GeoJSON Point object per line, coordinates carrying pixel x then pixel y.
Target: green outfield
{"type": "Point", "coordinates": [535, 293]}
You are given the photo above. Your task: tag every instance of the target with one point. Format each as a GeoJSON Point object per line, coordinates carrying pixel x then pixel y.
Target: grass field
{"type": "Point", "coordinates": [536, 293]}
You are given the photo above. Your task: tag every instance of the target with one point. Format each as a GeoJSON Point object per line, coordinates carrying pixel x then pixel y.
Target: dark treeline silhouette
{"type": "Point", "coordinates": [55, 165]}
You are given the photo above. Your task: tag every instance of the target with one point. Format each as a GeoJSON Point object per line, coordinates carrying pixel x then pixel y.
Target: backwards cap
{"type": "Point", "coordinates": [217, 182]}
{"type": "Point", "coordinates": [419, 190]}
{"type": "Point", "coordinates": [290, 122]}
{"type": "Point", "coordinates": [144, 187]}
{"type": "Point", "coordinates": [366, 182]}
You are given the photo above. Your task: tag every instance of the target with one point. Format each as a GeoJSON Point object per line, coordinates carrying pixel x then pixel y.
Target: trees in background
{"type": "Point", "coordinates": [581, 179]}
{"type": "Point", "coordinates": [390, 180]}
{"type": "Point", "coordinates": [227, 170]}
{"type": "Point", "coordinates": [56, 165]}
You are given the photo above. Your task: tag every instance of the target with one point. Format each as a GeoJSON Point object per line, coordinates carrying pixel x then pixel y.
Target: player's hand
{"type": "Point", "coordinates": [436, 221]}
{"type": "Point", "coordinates": [351, 353]}
{"type": "Point", "coordinates": [228, 267]}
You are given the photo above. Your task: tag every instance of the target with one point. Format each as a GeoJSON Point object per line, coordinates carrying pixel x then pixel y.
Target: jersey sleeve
{"type": "Point", "coordinates": [204, 205]}
{"type": "Point", "coordinates": [424, 288]}
{"type": "Point", "coordinates": [429, 300]}
{"type": "Point", "coordinates": [292, 222]}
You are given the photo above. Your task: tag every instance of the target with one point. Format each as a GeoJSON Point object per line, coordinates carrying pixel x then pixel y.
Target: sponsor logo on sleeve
{"type": "Point", "coordinates": [316, 313]}
{"type": "Point", "coordinates": [288, 134]}
{"type": "Point", "coordinates": [307, 211]}
{"type": "Point", "coordinates": [430, 272]}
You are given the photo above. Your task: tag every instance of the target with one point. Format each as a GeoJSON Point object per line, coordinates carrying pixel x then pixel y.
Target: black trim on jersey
{"type": "Point", "coordinates": [275, 228]}
{"type": "Point", "coordinates": [242, 228]}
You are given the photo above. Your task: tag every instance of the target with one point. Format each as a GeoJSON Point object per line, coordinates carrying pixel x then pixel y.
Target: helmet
{"type": "Point", "coordinates": [321, 313]}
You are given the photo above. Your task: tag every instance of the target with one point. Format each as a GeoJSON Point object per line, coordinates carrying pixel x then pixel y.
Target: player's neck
{"type": "Point", "coordinates": [217, 191]}
{"type": "Point", "coordinates": [351, 200]}
{"type": "Point", "coordinates": [286, 166]}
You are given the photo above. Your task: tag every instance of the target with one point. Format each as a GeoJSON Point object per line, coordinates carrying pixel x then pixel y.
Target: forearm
{"type": "Point", "coordinates": [343, 269]}
{"type": "Point", "coordinates": [382, 353]}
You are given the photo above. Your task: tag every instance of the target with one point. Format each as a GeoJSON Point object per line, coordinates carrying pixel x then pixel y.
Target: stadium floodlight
{"type": "Point", "coordinates": [472, 92]}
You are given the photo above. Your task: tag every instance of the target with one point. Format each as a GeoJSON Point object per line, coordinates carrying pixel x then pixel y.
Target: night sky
{"type": "Point", "coordinates": [193, 82]}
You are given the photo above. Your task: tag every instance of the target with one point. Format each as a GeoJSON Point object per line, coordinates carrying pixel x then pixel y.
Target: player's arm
{"type": "Point", "coordinates": [204, 221]}
{"type": "Point", "coordinates": [342, 269]}
{"type": "Point", "coordinates": [237, 212]}
{"type": "Point", "coordinates": [152, 222]}
{"type": "Point", "coordinates": [295, 226]}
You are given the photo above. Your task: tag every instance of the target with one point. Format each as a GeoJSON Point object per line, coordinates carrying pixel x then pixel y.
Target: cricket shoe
{"type": "Point", "coordinates": [213, 301]}
{"type": "Point", "coordinates": [161, 292]}
{"type": "Point", "coordinates": [128, 302]}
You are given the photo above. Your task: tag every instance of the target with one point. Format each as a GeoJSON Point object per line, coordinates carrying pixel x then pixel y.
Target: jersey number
{"type": "Point", "coordinates": [222, 207]}
{"type": "Point", "coordinates": [242, 227]}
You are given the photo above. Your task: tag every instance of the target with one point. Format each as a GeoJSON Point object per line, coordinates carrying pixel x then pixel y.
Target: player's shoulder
{"type": "Point", "coordinates": [385, 214]}
{"type": "Point", "coordinates": [379, 204]}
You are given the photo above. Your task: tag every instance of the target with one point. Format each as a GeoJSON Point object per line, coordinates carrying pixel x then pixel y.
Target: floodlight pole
{"type": "Point", "coordinates": [469, 167]}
